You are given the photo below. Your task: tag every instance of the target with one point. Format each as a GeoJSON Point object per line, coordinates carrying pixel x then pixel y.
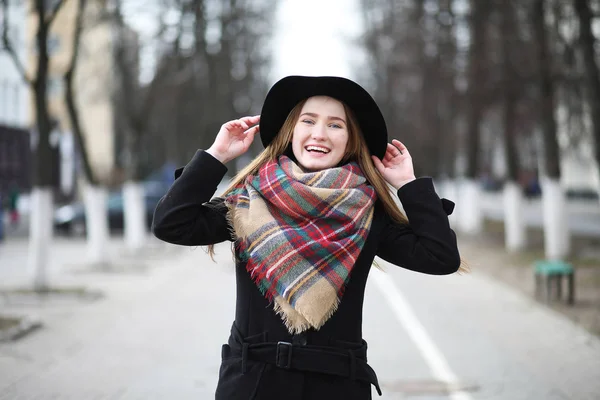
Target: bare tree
{"type": "Point", "coordinates": [546, 91]}
{"type": "Point", "coordinates": [447, 108]}
{"type": "Point", "coordinates": [515, 229]}
{"type": "Point", "coordinates": [44, 179]}
{"type": "Point", "coordinates": [592, 75]}
{"type": "Point", "coordinates": [555, 223]}
{"type": "Point", "coordinates": [214, 79]}
{"type": "Point", "coordinates": [95, 192]}
{"type": "Point", "coordinates": [135, 103]}
{"type": "Point", "coordinates": [510, 84]}
{"type": "Point", "coordinates": [69, 95]}
{"type": "Point", "coordinates": [476, 76]}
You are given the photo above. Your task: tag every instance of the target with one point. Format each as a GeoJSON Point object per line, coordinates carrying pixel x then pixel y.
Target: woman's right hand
{"type": "Point", "coordinates": [234, 138]}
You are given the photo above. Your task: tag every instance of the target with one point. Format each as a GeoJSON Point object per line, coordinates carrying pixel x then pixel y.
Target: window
{"type": "Point", "coordinates": [4, 100]}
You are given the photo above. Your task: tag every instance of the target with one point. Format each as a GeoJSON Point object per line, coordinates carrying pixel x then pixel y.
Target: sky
{"type": "Point", "coordinates": [315, 37]}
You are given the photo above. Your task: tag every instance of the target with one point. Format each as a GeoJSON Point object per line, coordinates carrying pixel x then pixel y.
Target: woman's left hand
{"type": "Point", "coordinates": [396, 166]}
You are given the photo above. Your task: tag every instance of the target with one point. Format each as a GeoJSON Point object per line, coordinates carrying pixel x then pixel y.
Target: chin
{"type": "Point", "coordinates": [312, 166]}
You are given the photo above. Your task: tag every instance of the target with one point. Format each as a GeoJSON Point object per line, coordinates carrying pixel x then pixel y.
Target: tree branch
{"type": "Point", "coordinates": [72, 107]}
{"type": "Point", "coordinates": [76, 37]}
{"type": "Point", "coordinates": [9, 47]}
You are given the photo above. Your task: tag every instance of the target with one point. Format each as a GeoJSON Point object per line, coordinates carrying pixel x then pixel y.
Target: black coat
{"type": "Point", "coordinates": [186, 215]}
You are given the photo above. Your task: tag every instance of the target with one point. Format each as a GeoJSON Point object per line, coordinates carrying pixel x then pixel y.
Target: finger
{"type": "Point", "coordinates": [391, 152]}
{"type": "Point", "coordinates": [387, 163]}
{"type": "Point", "coordinates": [400, 146]}
{"type": "Point", "coordinates": [254, 130]}
{"type": "Point", "coordinates": [244, 125]}
{"type": "Point", "coordinates": [230, 127]}
{"type": "Point", "coordinates": [388, 153]}
{"type": "Point", "coordinates": [397, 148]}
{"type": "Point", "coordinates": [251, 120]}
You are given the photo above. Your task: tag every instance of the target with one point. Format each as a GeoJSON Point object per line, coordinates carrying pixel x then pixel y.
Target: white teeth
{"type": "Point", "coordinates": [315, 148]}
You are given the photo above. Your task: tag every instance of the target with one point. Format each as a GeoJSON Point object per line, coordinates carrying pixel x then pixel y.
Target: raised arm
{"type": "Point", "coordinates": [427, 244]}
{"type": "Point", "coordinates": [185, 215]}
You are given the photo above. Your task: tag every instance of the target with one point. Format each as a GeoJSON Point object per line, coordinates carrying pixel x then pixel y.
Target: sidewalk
{"type": "Point", "coordinates": [67, 255]}
{"type": "Point", "coordinates": [486, 254]}
{"type": "Point", "coordinates": [113, 348]}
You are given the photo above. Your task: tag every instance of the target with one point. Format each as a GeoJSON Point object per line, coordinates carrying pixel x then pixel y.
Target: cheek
{"type": "Point", "coordinates": [342, 142]}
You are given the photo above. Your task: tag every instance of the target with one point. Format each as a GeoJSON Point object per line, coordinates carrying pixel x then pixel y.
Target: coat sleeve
{"type": "Point", "coordinates": [427, 244]}
{"type": "Point", "coordinates": [186, 215]}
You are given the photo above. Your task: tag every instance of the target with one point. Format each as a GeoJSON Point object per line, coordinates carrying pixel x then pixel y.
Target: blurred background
{"type": "Point", "coordinates": [497, 100]}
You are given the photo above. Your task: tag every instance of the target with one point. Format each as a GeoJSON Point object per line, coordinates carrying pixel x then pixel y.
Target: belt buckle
{"type": "Point", "coordinates": [283, 360]}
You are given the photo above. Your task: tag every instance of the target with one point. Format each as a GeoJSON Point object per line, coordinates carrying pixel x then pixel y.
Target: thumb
{"type": "Point", "coordinates": [253, 131]}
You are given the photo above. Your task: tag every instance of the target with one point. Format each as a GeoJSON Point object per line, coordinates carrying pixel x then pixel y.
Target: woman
{"type": "Point", "coordinates": [307, 217]}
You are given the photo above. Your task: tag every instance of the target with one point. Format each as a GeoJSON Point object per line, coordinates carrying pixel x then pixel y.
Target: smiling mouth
{"type": "Point", "coordinates": [317, 149]}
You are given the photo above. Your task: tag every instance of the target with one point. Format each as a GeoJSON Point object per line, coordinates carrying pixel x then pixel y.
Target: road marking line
{"type": "Point", "coordinates": [433, 356]}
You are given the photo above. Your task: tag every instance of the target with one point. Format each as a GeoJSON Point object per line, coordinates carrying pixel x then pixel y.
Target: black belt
{"type": "Point", "coordinates": [344, 362]}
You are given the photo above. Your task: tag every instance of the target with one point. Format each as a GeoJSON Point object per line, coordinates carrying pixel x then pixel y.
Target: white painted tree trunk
{"type": "Point", "coordinates": [96, 221]}
{"type": "Point", "coordinates": [40, 235]}
{"type": "Point", "coordinates": [515, 229]}
{"type": "Point", "coordinates": [470, 214]}
{"type": "Point", "coordinates": [557, 237]}
{"type": "Point", "coordinates": [134, 208]}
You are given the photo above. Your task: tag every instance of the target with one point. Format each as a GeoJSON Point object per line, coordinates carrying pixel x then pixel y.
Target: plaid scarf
{"type": "Point", "coordinates": [300, 234]}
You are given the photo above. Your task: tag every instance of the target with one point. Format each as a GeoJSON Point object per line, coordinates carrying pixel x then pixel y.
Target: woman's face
{"type": "Point", "coordinates": [321, 134]}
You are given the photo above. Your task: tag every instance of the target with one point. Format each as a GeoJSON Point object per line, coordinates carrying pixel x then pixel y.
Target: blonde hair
{"type": "Point", "coordinates": [356, 150]}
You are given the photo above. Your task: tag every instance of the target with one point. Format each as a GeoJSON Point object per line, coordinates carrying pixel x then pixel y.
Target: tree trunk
{"type": "Point", "coordinates": [556, 232]}
{"type": "Point", "coordinates": [471, 217]}
{"type": "Point", "coordinates": [588, 43]}
{"type": "Point", "coordinates": [515, 232]}
{"type": "Point", "coordinates": [134, 208]}
{"type": "Point", "coordinates": [546, 86]}
{"type": "Point", "coordinates": [95, 195]}
{"type": "Point", "coordinates": [44, 179]}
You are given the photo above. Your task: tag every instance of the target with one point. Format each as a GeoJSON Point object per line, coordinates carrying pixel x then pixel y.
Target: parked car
{"type": "Point", "coordinates": [70, 219]}
{"type": "Point", "coordinates": [582, 194]}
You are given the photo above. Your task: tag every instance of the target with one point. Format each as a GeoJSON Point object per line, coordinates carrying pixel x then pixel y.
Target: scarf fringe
{"type": "Point", "coordinates": [304, 325]}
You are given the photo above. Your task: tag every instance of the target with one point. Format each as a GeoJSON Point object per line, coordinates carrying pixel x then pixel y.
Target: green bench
{"type": "Point", "coordinates": [549, 278]}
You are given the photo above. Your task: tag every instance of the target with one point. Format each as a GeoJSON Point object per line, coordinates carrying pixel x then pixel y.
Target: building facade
{"type": "Point", "coordinates": [93, 84]}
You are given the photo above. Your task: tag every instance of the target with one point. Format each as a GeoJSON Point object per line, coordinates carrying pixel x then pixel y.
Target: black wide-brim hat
{"type": "Point", "coordinates": [289, 91]}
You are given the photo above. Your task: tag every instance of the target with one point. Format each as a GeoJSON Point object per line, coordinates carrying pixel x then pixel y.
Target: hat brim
{"type": "Point", "coordinates": [289, 91]}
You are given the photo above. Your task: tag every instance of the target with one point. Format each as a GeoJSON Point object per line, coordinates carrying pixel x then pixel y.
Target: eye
{"type": "Point", "coordinates": [308, 121]}
{"type": "Point", "coordinates": [336, 126]}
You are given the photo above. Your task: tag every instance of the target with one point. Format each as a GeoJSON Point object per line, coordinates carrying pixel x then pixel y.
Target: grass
{"type": "Point", "coordinates": [535, 248]}
{"type": "Point", "coordinates": [8, 322]}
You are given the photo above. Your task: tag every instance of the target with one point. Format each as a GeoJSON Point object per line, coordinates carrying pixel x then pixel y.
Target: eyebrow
{"type": "Point", "coordinates": [329, 117]}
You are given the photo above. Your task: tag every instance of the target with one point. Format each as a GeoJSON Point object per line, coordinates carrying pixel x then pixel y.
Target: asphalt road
{"type": "Point", "coordinates": [157, 334]}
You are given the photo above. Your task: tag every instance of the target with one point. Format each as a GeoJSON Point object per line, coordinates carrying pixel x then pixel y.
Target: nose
{"type": "Point", "coordinates": [318, 132]}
